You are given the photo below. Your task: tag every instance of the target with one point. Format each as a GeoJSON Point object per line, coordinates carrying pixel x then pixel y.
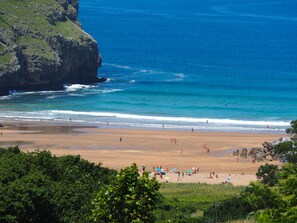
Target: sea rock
{"type": "Point", "coordinates": [43, 47]}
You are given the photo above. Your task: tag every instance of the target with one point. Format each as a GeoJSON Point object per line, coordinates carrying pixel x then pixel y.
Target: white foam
{"type": "Point", "coordinates": [179, 76]}
{"type": "Point", "coordinates": [226, 10]}
{"type": "Point", "coordinates": [176, 119]}
{"type": "Point", "coordinates": [75, 87]}
{"type": "Point", "coordinates": [118, 66]}
{"type": "Point", "coordinates": [2, 98]}
{"type": "Point", "coordinates": [110, 91]}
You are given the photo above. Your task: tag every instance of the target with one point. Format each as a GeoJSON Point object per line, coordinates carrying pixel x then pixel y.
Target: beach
{"type": "Point", "coordinates": [117, 148]}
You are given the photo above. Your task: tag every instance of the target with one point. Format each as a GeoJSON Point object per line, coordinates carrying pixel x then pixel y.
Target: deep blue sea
{"type": "Point", "coordinates": [223, 65]}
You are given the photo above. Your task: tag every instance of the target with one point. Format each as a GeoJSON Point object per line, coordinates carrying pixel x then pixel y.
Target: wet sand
{"type": "Point", "coordinates": [150, 148]}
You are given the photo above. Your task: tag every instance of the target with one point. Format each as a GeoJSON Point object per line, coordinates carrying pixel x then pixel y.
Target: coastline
{"type": "Point", "coordinates": [147, 147]}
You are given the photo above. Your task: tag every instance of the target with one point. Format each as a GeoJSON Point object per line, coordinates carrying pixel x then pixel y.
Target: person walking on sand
{"type": "Point", "coordinates": [178, 175]}
{"type": "Point", "coordinates": [121, 139]}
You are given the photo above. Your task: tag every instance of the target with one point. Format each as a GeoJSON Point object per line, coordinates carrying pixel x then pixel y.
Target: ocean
{"type": "Point", "coordinates": [211, 65]}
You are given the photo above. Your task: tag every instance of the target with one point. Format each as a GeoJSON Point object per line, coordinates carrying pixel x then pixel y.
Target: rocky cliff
{"type": "Point", "coordinates": [42, 46]}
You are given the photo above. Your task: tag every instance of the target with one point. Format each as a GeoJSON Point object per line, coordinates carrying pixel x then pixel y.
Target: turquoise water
{"type": "Point", "coordinates": [211, 65]}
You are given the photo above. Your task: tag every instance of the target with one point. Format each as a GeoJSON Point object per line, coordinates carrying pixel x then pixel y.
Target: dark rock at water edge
{"type": "Point", "coordinates": [42, 46]}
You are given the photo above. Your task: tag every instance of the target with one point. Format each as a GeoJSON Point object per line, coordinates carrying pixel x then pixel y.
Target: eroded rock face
{"type": "Point", "coordinates": [42, 46]}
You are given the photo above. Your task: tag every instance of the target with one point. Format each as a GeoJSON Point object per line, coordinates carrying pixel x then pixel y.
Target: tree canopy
{"type": "Point", "coordinates": [129, 198]}
{"type": "Point", "coordinates": [275, 200]}
{"type": "Point", "coordinates": [39, 187]}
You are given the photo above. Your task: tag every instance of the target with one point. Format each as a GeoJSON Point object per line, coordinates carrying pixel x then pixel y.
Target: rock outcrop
{"type": "Point", "coordinates": [264, 153]}
{"type": "Point", "coordinates": [42, 46]}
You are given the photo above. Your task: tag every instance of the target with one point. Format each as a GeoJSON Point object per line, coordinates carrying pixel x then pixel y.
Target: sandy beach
{"type": "Point", "coordinates": [150, 148]}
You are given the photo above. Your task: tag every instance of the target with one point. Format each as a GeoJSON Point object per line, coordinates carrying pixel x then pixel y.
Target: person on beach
{"type": "Point", "coordinates": [121, 139]}
{"type": "Point", "coordinates": [192, 129]}
{"type": "Point", "coordinates": [210, 176]}
{"type": "Point", "coordinates": [107, 124]}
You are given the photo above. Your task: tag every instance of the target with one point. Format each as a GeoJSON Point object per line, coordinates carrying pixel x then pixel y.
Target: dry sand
{"type": "Point", "coordinates": [150, 148]}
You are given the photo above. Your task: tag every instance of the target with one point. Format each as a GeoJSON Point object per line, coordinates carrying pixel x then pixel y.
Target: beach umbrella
{"type": "Point", "coordinates": [174, 169]}
{"type": "Point", "coordinates": [229, 178]}
{"type": "Point", "coordinates": [158, 169]}
{"type": "Point", "coordinates": [188, 171]}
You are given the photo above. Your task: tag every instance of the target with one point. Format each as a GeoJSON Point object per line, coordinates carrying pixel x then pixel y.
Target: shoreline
{"type": "Point", "coordinates": [206, 127]}
{"type": "Point", "coordinates": [147, 147]}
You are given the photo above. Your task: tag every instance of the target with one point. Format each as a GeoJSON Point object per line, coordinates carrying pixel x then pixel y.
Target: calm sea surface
{"type": "Point", "coordinates": [224, 65]}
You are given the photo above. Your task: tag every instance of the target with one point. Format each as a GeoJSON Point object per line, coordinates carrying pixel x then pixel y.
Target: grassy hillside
{"type": "Point", "coordinates": [32, 25]}
{"type": "Point", "coordinates": [189, 202]}
{"type": "Point", "coordinates": [42, 46]}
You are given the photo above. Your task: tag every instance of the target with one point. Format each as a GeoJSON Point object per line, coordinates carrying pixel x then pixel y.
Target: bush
{"type": "Point", "coordinates": [39, 187]}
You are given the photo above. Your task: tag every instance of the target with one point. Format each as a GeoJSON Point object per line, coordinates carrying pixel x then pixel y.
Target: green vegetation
{"type": "Point", "coordinates": [5, 59]}
{"type": "Point", "coordinates": [274, 198]}
{"type": "Point", "coordinates": [69, 30]}
{"type": "Point", "coordinates": [37, 47]}
{"type": "Point", "coordinates": [267, 174]}
{"type": "Point", "coordinates": [35, 25]}
{"type": "Point", "coordinates": [129, 198]}
{"type": "Point", "coordinates": [192, 202]}
{"type": "Point", "coordinates": [39, 187]}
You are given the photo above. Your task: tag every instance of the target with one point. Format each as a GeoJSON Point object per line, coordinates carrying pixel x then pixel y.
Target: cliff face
{"type": "Point", "coordinates": [42, 46]}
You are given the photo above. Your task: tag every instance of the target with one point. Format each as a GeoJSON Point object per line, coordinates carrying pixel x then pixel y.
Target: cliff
{"type": "Point", "coordinates": [42, 46]}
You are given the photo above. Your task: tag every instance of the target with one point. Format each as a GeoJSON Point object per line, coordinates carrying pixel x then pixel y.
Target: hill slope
{"type": "Point", "coordinates": [42, 46]}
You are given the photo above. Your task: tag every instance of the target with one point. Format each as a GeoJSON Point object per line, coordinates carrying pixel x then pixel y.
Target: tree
{"type": "Point", "coordinates": [39, 187]}
{"type": "Point", "coordinates": [293, 129]}
{"type": "Point", "coordinates": [287, 151]}
{"type": "Point", "coordinates": [129, 198]}
{"type": "Point", "coordinates": [261, 196]}
{"type": "Point", "coordinates": [267, 174]}
{"type": "Point", "coordinates": [285, 209]}
{"type": "Point", "coordinates": [283, 148]}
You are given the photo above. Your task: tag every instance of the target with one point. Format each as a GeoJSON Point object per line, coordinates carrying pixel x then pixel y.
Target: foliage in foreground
{"type": "Point", "coordinates": [39, 187]}
{"type": "Point", "coordinates": [274, 198]}
{"type": "Point", "coordinates": [194, 202]}
{"type": "Point", "coordinates": [129, 198]}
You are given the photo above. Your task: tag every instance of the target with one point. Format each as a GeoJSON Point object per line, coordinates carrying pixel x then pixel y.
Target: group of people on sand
{"type": "Point", "coordinates": [173, 140]}
{"type": "Point", "coordinates": [212, 175]}
{"type": "Point", "coordinates": [180, 176]}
